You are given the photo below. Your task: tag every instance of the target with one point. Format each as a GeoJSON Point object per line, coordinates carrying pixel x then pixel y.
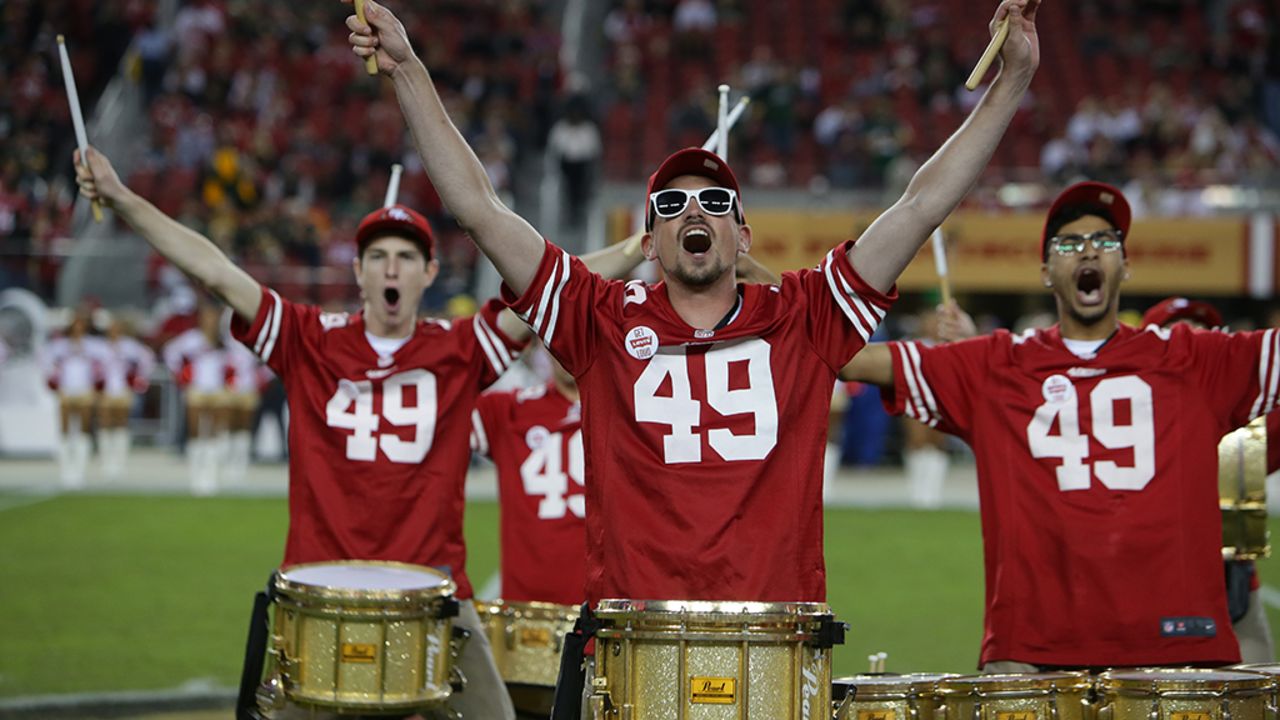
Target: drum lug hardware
{"type": "Point", "coordinates": [458, 641]}
{"type": "Point", "coordinates": [830, 633]}
{"type": "Point", "coordinates": [1226, 709]}
{"type": "Point", "coordinates": [270, 697]}
{"type": "Point", "coordinates": [977, 709]}
{"type": "Point", "coordinates": [448, 608]}
{"type": "Point", "coordinates": [1155, 708]}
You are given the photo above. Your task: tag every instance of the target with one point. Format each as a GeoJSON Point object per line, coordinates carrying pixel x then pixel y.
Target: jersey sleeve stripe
{"type": "Point", "coordinates": [550, 331]}
{"type": "Point", "coordinates": [486, 341]}
{"type": "Point", "coordinates": [927, 412]}
{"type": "Point", "coordinates": [500, 348]}
{"type": "Point", "coordinates": [1266, 374]}
{"type": "Point", "coordinates": [858, 323]}
{"type": "Point", "coordinates": [913, 350]}
{"type": "Point", "coordinates": [913, 405]}
{"type": "Point", "coordinates": [266, 328]}
{"type": "Point", "coordinates": [545, 300]}
{"type": "Point", "coordinates": [271, 326]}
{"type": "Point", "coordinates": [1272, 339]}
{"type": "Point", "coordinates": [479, 440]}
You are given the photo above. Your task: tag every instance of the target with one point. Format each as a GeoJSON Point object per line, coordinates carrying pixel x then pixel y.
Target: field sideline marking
{"type": "Point", "coordinates": [1270, 596]}
{"type": "Point", "coordinates": [23, 501]}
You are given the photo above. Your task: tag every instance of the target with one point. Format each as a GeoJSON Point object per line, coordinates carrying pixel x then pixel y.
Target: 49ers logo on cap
{"type": "Point", "coordinates": [641, 342]}
{"type": "Point", "coordinates": [396, 213]}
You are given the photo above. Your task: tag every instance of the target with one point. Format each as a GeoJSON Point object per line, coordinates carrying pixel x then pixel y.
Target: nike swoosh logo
{"type": "Point", "coordinates": [379, 374]}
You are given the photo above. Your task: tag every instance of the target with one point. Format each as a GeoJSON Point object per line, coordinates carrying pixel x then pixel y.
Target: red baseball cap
{"type": "Point", "coordinates": [397, 220]}
{"type": "Point", "coordinates": [691, 161]}
{"type": "Point", "coordinates": [1106, 200]}
{"type": "Point", "coordinates": [1171, 310]}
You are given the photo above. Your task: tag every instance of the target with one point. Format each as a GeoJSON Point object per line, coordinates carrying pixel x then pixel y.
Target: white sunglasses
{"type": "Point", "coordinates": [671, 202]}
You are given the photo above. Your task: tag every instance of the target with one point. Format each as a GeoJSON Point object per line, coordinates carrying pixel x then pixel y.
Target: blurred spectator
{"type": "Point", "coordinates": [694, 16]}
{"type": "Point", "coordinates": [575, 144]}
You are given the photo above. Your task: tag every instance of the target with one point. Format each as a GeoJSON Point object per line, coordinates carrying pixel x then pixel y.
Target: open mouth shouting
{"type": "Point", "coordinates": [1089, 286]}
{"type": "Point", "coordinates": [392, 297]}
{"type": "Point", "coordinates": [696, 240]}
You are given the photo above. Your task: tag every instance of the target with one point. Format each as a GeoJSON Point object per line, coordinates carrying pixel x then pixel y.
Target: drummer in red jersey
{"type": "Point", "coordinates": [1097, 458]}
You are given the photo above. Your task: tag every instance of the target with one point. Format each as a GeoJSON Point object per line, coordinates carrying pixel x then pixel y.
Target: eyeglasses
{"type": "Point", "coordinates": [1108, 240]}
{"type": "Point", "coordinates": [671, 202]}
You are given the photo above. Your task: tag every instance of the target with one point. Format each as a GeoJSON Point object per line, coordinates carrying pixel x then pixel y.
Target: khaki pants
{"type": "Point", "coordinates": [1254, 633]}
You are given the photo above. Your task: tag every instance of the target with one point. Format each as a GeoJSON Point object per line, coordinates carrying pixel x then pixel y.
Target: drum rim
{"type": "Point", "coordinates": [897, 684]}
{"type": "Point", "coordinates": [622, 608]}
{"type": "Point", "coordinates": [498, 605]}
{"type": "Point", "coordinates": [1058, 681]}
{"type": "Point", "coordinates": [1146, 679]}
{"type": "Point", "coordinates": [290, 587]}
{"type": "Point", "coordinates": [1271, 668]}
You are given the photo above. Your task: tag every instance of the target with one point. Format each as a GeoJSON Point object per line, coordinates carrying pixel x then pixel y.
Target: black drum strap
{"type": "Point", "coordinates": [255, 653]}
{"type": "Point", "coordinates": [1239, 574]}
{"type": "Point", "coordinates": [572, 680]}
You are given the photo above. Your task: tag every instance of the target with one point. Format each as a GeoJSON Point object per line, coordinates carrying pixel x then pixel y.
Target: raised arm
{"type": "Point", "coordinates": [191, 252]}
{"type": "Point", "coordinates": [872, 365]}
{"type": "Point", "coordinates": [513, 245]}
{"type": "Point", "coordinates": [886, 247]}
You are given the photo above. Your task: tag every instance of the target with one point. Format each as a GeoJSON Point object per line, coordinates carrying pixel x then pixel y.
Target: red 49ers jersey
{"type": "Point", "coordinates": [534, 437]}
{"type": "Point", "coordinates": [703, 449]}
{"type": "Point", "coordinates": [378, 448]}
{"type": "Point", "coordinates": [1098, 482]}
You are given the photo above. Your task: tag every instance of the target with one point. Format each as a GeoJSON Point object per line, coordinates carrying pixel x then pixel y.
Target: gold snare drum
{"type": "Point", "coordinates": [673, 660]}
{"type": "Point", "coordinates": [1182, 694]}
{"type": "Point", "coordinates": [1032, 696]}
{"type": "Point", "coordinates": [1242, 492]}
{"type": "Point", "coordinates": [367, 637]}
{"type": "Point", "coordinates": [887, 697]}
{"type": "Point", "coordinates": [1271, 670]}
{"type": "Point", "coordinates": [526, 638]}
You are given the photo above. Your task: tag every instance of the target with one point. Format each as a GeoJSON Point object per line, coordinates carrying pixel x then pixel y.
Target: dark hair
{"type": "Point", "coordinates": [1072, 213]}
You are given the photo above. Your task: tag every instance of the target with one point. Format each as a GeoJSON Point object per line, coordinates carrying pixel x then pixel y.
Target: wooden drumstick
{"type": "Point", "coordinates": [393, 187]}
{"type": "Point", "coordinates": [371, 62]}
{"type": "Point", "coordinates": [741, 107]}
{"type": "Point", "coordinates": [989, 55]}
{"type": "Point", "coordinates": [940, 263]}
{"type": "Point", "coordinates": [722, 121]}
{"type": "Point", "coordinates": [77, 117]}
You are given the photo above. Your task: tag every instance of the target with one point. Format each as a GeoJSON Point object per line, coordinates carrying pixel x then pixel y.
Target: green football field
{"type": "Point", "coordinates": [104, 593]}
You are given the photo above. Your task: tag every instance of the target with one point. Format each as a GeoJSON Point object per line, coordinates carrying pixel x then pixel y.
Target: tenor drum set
{"type": "Point", "coordinates": [377, 638]}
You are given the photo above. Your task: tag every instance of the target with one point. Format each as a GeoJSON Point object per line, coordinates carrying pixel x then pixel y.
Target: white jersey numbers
{"type": "Point", "coordinates": [1072, 447]}
{"type": "Point", "coordinates": [545, 473]}
{"type": "Point", "coordinates": [682, 413]}
{"type": "Point", "coordinates": [351, 408]}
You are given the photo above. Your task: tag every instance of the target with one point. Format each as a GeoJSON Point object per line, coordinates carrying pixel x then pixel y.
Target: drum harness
{"type": "Point", "coordinates": [255, 652]}
{"type": "Point", "coordinates": [567, 703]}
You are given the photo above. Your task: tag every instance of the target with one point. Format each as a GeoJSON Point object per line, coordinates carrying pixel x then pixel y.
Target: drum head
{"type": "Point", "coordinates": [890, 685]}
{"type": "Point", "coordinates": [364, 579]}
{"type": "Point", "coordinates": [709, 610]}
{"type": "Point", "coordinates": [1013, 682]}
{"type": "Point", "coordinates": [1272, 669]}
{"type": "Point", "coordinates": [1158, 680]}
